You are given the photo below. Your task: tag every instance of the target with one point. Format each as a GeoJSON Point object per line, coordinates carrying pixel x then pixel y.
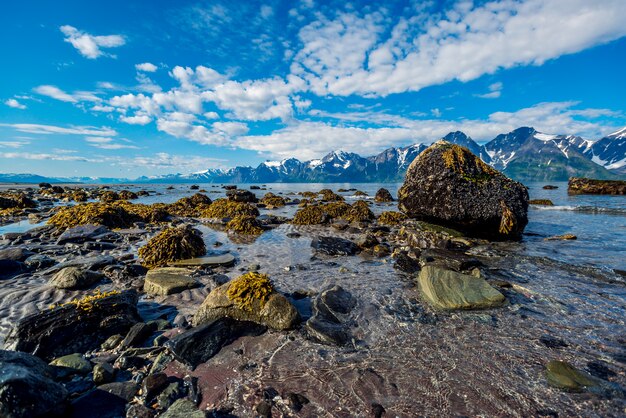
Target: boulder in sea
{"type": "Point", "coordinates": [250, 297]}
{"type": "Point", "coordinates": [577, 185]}
{"type": "Point", "coordinates": [199, 344]}
{"type": "Point", "coordinates": [167, 281]}
{"type": "Point", "coordinates": [74, 327]}
{"type": "Point", "coordinates": [383, 195]}
{"type": "Point", "coordinates": [450, 290]}
{"type": "Point", "coordinates": [172, 244]}
{"type": "Point", "coordinates": [541, 202]}
{"type": "Point", "coordinates": [75, 278]}
{"type": "Point", "coordinates": [27, 388]}
{"type": "Point", "coordinates": [241, 195]}
{"type": "Point", "coordinates": [448, 185]}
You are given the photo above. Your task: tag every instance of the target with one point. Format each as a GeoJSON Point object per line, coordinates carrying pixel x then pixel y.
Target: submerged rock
{"type": "Point", "coordinates": [563, 375]}
{"type": "Point", "coordinates": [448, 185]}
{"type": "Point", "coordinates": [27, 389]}
{"type": "Point", "coordinates": [199, 344]}
{"type": "Point", "coordinates": [447, 289]}
{"type": "Point", "coordinates": [328, 324]}
{"type": "Point", "coordinates": [167, 281]}
{"type": "Point", "coordinates": [334, 246]}
{"type": "Point", "coordinates": [541, 202]}
{"type": "Point", "coordinates": [172, 244]}
{"type": "Point", "coordinates": [183, 408]}
{"type": "Point", "coordinates": [75, 327]}
{"type": "Point", "coordinates": [250, 297]}
{"type": "Point", "coordinates": [577, 185]}
{"type": "Point", "coordinates": [383, 195]}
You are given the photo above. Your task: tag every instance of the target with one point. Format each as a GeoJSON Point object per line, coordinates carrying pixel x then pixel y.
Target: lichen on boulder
{"type": "Point", "coordinates": [172, 244]}
{"type": "Point", "coordinates": [223, 208]}
{"type": "Point", "coordinates": [448, 185]}
{"type": "Point", "coordinates": [243, 224]}
{"type": "Point", "coordinates": [250, 297]}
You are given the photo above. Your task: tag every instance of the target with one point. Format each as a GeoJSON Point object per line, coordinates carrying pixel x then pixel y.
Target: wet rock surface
{"type": "Point", "coordinates": [590, 186]}
{"type": "Point", "coordinates": [334, 246]}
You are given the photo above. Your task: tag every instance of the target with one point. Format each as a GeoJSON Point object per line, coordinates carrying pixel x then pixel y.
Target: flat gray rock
{"type": "Point", "coordinates": [168, 280]}
{"type": "Point", "coordinates": [207, 260]}
{"type": "Point", "coordinates": [81, 233]}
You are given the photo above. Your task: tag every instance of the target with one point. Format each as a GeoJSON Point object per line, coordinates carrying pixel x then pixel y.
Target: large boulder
{"type": "Point", "coordinates": [448, 185]}
{"type": "Point", "coordinates": [250, 297]}
{"type": "Point", "coordinates": [449, 290]}
{"type": "Point", "coordinates": [27, 388]}
{"type": "Point", "coordinates": [590, 186]}
{"type": "Point", "coordinates": [74, 327]}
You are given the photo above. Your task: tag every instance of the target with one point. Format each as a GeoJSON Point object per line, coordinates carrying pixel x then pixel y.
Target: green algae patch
{"type": "Point", "coordinates": [224, 208]}
{"type": "Point", "coordinates": [172, 244]}
{"type": "Point", "coordinates": [248, 288]}
{"type": "Point", "coordinates": [391, 218]}
{"type": "Point", "coordinates": [243, 224]}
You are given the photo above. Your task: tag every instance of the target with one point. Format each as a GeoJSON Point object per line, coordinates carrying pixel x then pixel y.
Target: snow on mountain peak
{"type": "Point", "coordinates": [619, 134]}
{"type": "Point", "coordinates": [545, 137]}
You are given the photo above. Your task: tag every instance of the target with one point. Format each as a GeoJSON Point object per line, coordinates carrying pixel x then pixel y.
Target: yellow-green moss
{"type": "Point", "coordinates": [391, 218]}
{"type": "Point", "coordinates": [461, 160]}
{"type": "Point", "coordinates": [224, 208]}
{"type": "Point", "coordinates": [79, 196]}
{"type": "Point", "coordinates": [309, 215]}
{"type": "Point", "coordinates": [336, 209]}
{"type": "Point", "coordinates": [507, 222]}
{"type": "Point", "coordinates": [330, 196]}
{"type": "Point", "coordinates": [359, 212]}
{"type": "Point", "coordinates": [247, 225]}
{"type": "Point", "coordinates": [127, 195]}
{"type": "Point", "coordinates": [172, 244]}
{"type": "Point", "coordinates": [109, 215]}
{"type": "Point", "coordinates": [109, 196]}
{"type": "Point", "coordinates": [154, 213]}
{"type": "Point", "coordinates": [248, 288]}
{"type": "Point", "coordinates": [88, 302]}
{"type": "Point", "coordinates": [308, 195]}
{"type": "Point", "coordinates": [190, 206]}
{"type": "Point", "coordinates": [270, 199]}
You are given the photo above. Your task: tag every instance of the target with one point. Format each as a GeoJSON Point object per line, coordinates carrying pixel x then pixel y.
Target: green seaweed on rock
{"type": "Point", "coordinates": [224, 208]}
{"type": "Point", "coordinates": [172, 244]}
{"type": "Point", "coordinates": [248, 288]}
{"type": "Point", "coordinates": [243, 224]}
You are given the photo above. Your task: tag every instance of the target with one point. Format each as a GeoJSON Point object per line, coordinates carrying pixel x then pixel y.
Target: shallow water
{"type": "Point", "coordinates": [406, 357]}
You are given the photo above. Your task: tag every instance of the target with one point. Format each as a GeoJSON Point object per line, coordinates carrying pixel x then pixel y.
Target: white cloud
{"type": "Point", "coordinates": [349, 55]}
{"type": "Point", "coordinates": [58, 94]}
{"type": "Point", "coordinates": [211, 115]}
{"type": "Point", "coordinates": [495, 91]}
{"type": "Point", "coordinates": [108, 143]}
{"type": "Point", "coordinates": [44, 156]}
{"type": "Point", "coordinates": [51, 129]}
{"type": "Point", "coordinates": [147, 67]}
{"type": "Point", "coordinates": [136, 120]}
{"type": "Point", "coordinates": [14, 104]}
{"type": "Point", "coordinates": [13, 144]}
{"type": "Point", "coordinates": [172, 163]}
{"type": "Point", "coordinates": [88, 45]}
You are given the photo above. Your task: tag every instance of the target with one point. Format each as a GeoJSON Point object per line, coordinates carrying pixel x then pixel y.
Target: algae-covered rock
{"type": "Point", "coordinates": [336, 209]}
{"type": "Point", "coordinates": [250, 297]}
{"type": "Point", "coordinates": [310, 215]}
{"type": "Point", "coordinates": [330, 196]}
{"type": "Point", "coordinates": [541, 202]}
{"type": "Point", "coordinates": [109, 196]}
{"type": "Point", "coordinates": [391, 218]}
{"type": "Point", "coordinates": [183, 408]}
{"type": "Point", "coordinates": [157, 212]}
{"type": "Point", "coordinates": [109, 215]}
{"type": "Point", "coordinates": [359, 212]}
{"type": "Point", "coordinates": [447, 289]}
{"type": "Point", "coordinates": [247, 225]}
{"type": "Point", "coordinates": [172, 244]}
{"type": "Point", "coordinates": [74, 363]}
{"type": "Point", "coordinates": [563, 375]}
{"type": "Point", "coordinates": [190, 206]}
{"type": "Point", "coordinates": [128, 195]}
{"type": "Point", "coordinates": [168, 280]}
{"type": "Point", "coordinates": [383, 195]}
{"type": "Point", "coordinates": [577, 185]}
{"type": "Point", "coordinates": [272, 200]}
{"type": "Point", "coordinates": [224, 208]}
{"type": "Point", "coordinates": [448, 185]}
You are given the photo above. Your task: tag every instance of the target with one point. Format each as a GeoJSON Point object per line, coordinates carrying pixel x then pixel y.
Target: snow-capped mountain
{"type": "Point", "coordinates": [610, 151]}
{"type": "Point", "coordinates": [463, 140]}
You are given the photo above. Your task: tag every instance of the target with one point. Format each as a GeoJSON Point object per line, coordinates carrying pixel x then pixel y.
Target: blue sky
{"type": "Point", "coordinates": [129, 88]}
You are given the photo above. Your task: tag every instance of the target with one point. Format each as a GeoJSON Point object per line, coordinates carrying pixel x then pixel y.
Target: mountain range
{"type": "Point", "coordinates": [523, 154]}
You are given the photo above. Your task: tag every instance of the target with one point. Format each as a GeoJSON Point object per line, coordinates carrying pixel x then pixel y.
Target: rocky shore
{"type": "Point", "coordinates": [323, 303]}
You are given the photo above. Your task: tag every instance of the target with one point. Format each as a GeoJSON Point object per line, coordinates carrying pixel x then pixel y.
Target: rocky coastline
{"type": "Point", "coordinates": [187, 309]}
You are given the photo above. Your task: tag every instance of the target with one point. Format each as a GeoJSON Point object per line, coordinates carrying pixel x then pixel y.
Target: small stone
{"type": "Point", "coordinates": [72, 364]}
{"type": "Point", "coordinates": [565, 237]}
{"type": "Point", "coordinates": [563, 375]}
{"type": "Point", "coordinates": [552, 342]}
{"type": "Point", "coordinates": [153, 384]}
{"type": "Point", "coordinates": [169, 395]}
{"type": "Point", "coordinates": [112, 342]}
{"type": "Point", "coordinates": [334, 246]}
{"type": "Point", "coordinates": [137, 334]}
{"type": "Point", "coordinates": [183, 408]}
{"type": "Point", "coordinates": [103, 373]}
{"type": "Point", "coordinates": [225, 260]}
{"type": "Point", "coordinates": [264, 409]}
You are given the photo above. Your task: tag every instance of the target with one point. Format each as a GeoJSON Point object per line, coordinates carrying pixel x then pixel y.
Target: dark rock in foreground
{"type": "Point", "coordinates": [328, 324]}
{"type": "Point", "coordinates": [200, 344]}
{"type": "Point", "coordinates": [27, 388]}
{"type": "Point", "coordinates": [449, 185]}
{"type": "Point", "coordinates": [74, 328]}
{"type": "Point", "coordinates": [334, 246]}
{"type": "Point", "coordinates": [577, 185]}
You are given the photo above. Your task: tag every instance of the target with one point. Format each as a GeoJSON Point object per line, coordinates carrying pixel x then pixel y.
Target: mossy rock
{"type": "Point", "coordinates": [224, 208]}
{"type": "Point", "coordinates": [308, 195]}
{"type": "Point", "coordinates": [359, 212]}
{"type": "Point", "coordinates": [336, 209]}
{"type": "Point", "coordinates": [154, 213]}
{"type": "Point", "coordinates": [383, 195]}
{"type": "Point", "coordinates": [128, 195]}
{"type": "Point", "coordinates": [542, 202]}
{"type": "Point", "coordinates": [172, 244]}
{"type": "Point", "coordinates": [391, 218]}
{"type": "Point", "coordinates": [563, 375]}
{"type": "Point", "coordinates": [330, 196]}
{"type": "Point", "coordinates": [250, 297]}
{"type": "Point", "coordinates": [109, 215]}
{"type": "Point", "coordinates": [109, 196]}
{"type": "Point", "coordinates": [79, 196]}
{"type": "Point", "coordinates": [310, 215]}
{"type": "Point", "coordinates": [247, 225]}
{"type": "Point", "coordinates": [190, 206]}
{"type": "Point", "coordinates": [360, 193]}
{"type": "Point", "coordinates": [16, 201]}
